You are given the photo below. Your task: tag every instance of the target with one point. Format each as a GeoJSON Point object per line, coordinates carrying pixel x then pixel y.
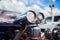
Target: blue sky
{"type": "Point", "coordinates": [46, 3]}
{"type": "Point", "coordinates": [57, 4]}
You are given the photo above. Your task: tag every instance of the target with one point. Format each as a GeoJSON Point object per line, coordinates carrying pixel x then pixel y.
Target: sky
{"type": "Point", "coordinates": [23, 6]}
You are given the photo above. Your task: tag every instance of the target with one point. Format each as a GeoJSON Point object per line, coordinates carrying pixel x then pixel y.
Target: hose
{"type": "Point", "coordinates": [18, 36]}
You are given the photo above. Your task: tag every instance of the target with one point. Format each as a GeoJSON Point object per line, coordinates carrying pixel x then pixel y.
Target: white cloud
{"type": "Point", "coordinates": [24, 1]}
{"type": "Point", "coordinates": [35, 8]}
{"type": "Point", "coordinates": [55, 11]}
{"type": "Point", "coordinates": [38, 2]}
{"type": "Point", "coordinates": [13, 6]}
{"type": "Point", "coordinates": [20, 6]}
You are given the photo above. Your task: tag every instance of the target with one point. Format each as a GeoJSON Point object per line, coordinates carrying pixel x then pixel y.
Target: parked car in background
{"type": "Point", "coordinates": [49, 24]}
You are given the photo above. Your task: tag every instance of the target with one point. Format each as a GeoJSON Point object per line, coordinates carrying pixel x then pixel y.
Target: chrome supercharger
{"type": "Point", "coordinates": [34, 33]}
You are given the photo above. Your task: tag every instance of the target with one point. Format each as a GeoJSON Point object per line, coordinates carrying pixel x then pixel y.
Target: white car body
{"type": "Point", "coordinates": [49, 25]}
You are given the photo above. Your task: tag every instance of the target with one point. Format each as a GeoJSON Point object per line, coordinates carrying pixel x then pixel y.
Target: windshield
{"type": "Point", "coordinates": [56, 19]}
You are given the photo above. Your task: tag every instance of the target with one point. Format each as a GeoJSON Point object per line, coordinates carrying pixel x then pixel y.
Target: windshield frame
{"type": "Point", "coordinates": [56, 19]}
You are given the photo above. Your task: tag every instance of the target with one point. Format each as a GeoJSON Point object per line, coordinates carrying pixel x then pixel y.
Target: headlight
{"type": "Point", "coordinates": [40, 16]}
{"type": "Point", "coordinates": [31, 16]}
